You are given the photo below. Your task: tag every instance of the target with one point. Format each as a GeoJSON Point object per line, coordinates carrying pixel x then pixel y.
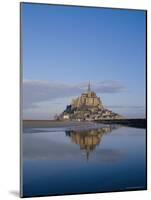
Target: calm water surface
{"type": "Point", "coordinates": [75, 160]}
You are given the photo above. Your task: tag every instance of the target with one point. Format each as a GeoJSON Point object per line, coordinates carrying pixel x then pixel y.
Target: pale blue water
{"type": "Point", "coordinates": [66, 161]}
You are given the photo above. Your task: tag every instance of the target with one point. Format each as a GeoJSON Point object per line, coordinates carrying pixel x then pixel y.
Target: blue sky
{"type": "Point", "coordinates": [64, 47]}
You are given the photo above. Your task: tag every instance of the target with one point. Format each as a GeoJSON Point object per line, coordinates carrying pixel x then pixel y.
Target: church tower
{"type": "Point", "coordinates": [89, 87]}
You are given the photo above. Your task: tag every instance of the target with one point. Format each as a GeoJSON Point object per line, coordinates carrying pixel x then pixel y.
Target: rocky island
{"type": "Point", "coordinates": [87, 107]}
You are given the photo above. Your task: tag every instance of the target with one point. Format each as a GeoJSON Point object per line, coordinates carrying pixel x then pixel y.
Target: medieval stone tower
{"type": "Point", "coordinates": [87, 99]}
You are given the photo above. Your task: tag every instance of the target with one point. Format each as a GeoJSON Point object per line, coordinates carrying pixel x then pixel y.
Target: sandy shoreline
{"type": "Point", "coordinates": [52, 123]}
{"type": "Point", "coordinates": [137, 123]}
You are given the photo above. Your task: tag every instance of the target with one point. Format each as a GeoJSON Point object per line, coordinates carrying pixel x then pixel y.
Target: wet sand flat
{"type": "Point", "coordinates": [52, 123]}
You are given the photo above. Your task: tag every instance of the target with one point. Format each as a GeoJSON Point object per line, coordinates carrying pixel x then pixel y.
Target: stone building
{"type": "Point", "coordinates": [87, 107]}
{"type": "Point", "coordinates": [88, 98]}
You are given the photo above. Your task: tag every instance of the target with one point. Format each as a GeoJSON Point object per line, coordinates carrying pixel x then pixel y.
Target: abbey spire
{"type": "Point", "coordinates": [89, 87]}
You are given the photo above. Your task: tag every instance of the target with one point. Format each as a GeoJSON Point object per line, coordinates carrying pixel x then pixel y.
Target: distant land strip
{"type": "Point", "coordinates": [135, 123]}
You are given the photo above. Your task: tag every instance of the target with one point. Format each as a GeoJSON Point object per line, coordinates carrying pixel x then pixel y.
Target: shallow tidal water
{"type": "Point", "coordinates": [72, 160]}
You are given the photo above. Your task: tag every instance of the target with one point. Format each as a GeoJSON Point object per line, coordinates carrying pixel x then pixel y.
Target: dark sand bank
{"type": "Point", "coordinates": [136, 123]}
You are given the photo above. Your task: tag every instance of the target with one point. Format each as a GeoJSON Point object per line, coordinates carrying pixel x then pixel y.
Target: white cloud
{"type": "Point", "coordinates": [40, 97]}
{"type": "Point", "coordinates": [38, 91]}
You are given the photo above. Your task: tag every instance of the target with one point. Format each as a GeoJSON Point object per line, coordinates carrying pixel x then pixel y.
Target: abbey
{"type": "Point", "coordinates": [87, 107]}
{"type": "Point", "coordinates": [88, 99]}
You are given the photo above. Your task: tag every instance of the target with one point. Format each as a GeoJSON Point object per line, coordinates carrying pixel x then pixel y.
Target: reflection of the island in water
{"type": "Point", "coordinates": [89, 139]}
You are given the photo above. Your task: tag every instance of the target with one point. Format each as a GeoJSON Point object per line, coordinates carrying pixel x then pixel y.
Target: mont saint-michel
{"type": "Point", "coordinates": [83, 100]}
{"type": "Point", "coordinates": [87, 107]}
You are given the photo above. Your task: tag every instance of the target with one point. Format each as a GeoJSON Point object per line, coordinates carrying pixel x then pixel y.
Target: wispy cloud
{"type": "Point", "coordinates": [126, 107]}
{"type": "Point", "coordinates": [109, 86]}
{"type": "Point", "coordinates": [41, 91]}
{"type": "Point", "coordinates": [131, 111]}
